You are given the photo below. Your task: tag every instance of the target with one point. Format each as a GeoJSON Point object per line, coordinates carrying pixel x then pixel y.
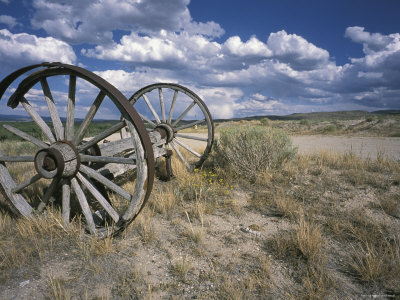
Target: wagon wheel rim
{"type": "Point", "coordinates": [62, 160]}
{"type": "Point", "coordinates": [171, 117]}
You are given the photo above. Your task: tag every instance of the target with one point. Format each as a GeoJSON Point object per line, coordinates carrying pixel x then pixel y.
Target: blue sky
{"type": "Point", "coordinates": [244, 58]}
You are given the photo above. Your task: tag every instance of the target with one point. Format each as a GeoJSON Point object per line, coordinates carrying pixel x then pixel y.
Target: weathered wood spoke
{"type": "Point", "coordinates": [84, 205]}
{"type": "Point", "coordinates": [190, 125]}
{"type": "Point", "coordinates": [192, 137]}
{"type": "Point", "coordinates": [171, 110]}
{"type": "Point", "coordinates": [26, 158]}
{"type": "Point", "coordinates": [17, 201]}
{"type": "Point", "coordinates": [152, 109]}
{"type": "Point", "coordinates": [148, 121]}
{"type": "Point", "coordinates": [38, 120]}
{"type": "Point", "coordinates": [99, 197]}
{"type": "Point", "coordinates": [27, 183]}
{"type": "Point", "coordinates": [58, 127]}
{"type": "Point", "coordinates": [26, 136]}
{"type": "Point", "coordinates": [108, 159]}
{"type": "Point", "coordinates": [182, 115]}
{"type": "Point", "coordinates": [180, 155]}
{"type": "Point", "coordinates": [160, 95]}
{"type": "Point", "coordinates": [106, 182]}
{"type": "Point", "coordinates": [66, 201]}
{"type": "Point", "coordinates": [186, 147]}
{"type": "Point", "coordinates": [49, 193]}
{"type": "Point", "coordinates": [88, 119]}
{"type": "Point", "coordinates": [101, 136]}
{"type": "Point", "coordinates": [69, 127]}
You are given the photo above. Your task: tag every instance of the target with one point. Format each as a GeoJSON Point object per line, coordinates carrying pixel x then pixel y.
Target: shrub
{"type": "Point", "coordinates": [248, 151]}
{"type": "Point", "coordinates": [265, 121]}
{"type": "Point", "coordinates": [305, 122]}
{"type": "Point", "coordinates": [331, 128]}
{"type": "Point", "coordinates": [369, 119]}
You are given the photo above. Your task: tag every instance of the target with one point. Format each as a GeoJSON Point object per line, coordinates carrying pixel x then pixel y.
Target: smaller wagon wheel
{"type": "Point", "coordinates": [182, 114]}
{"type": "Point", "coordinates": [67, 164]}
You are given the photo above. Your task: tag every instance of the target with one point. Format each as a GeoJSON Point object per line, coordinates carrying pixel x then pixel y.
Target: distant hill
{"type": "Point", "coordinates": [335, 115]}
{"type": "Point", "coordinates": [16, 118]}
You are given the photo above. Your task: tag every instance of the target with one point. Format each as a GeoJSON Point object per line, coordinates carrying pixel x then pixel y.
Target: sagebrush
{"type": "Point", "coordinates": [252, 150]}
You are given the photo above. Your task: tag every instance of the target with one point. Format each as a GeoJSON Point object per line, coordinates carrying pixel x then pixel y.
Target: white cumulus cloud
{"type": "Point", "coordinates": [24, 49]}
{"type": "Point", "coordinates": [296, 50]}
{"type": "Point", "coordinates": [94, 21]}
{"type": "Point", "coordinates": [253, 47]}
{"type": "Point", "coordinates": [372, 41]}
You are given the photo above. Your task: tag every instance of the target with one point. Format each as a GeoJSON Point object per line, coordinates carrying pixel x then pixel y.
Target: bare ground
{"type": "Point", "coordinates": [311, 230]}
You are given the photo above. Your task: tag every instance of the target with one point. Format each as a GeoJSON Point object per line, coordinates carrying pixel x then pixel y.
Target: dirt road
{"type": "Point", "coordinates": [361, 146]}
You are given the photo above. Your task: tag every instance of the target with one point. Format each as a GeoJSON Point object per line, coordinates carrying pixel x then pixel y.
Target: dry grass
{"type": "Point", "coordinates": [309, 238]}
{"type": "Point", "coordinates": [180, 267]}
{"type": "Point", "coordinates": [277, 203]}
{"type": "Point", "coordinates": [322, 226]}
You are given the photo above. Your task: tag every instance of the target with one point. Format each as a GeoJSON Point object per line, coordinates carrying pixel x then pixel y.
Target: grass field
{"type": "Point", "coordinates": [323, 225]}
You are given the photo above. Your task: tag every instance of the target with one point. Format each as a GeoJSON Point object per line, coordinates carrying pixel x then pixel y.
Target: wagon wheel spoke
{"type": "Point", "coordinates": [89, 117]}
{"type": "Point", "coordinates": [99, 197]}
{"type": "Point", "coordinates": [26, 158]}
{"type": "Point", "coordinates": [156, 117]}
{"type": "Point", "coordinates": [108, 159]}
{"type": "Point", "coordinates": [27, 183]}
{"type": "Point", "coordinates": [66, 201]}
{"type": "Point", "coordinates": [106, 182]}
{"type": "Point", "coordinates": [171, 110]}
{"type": "Point", "coordinates": [49, 193]}
{"type": "Point", "coordinates": [184, 113]}
{"type": "Point", "coordinates": [38, 120]}
{"type": "Point", "coordinates": [192, 137]}
{"type": "Point", "coordinates": [187, 147]}
{"type": "Point", "coordinates": [26, 136]}
{"type": "Point", "coordinates": [180, 155]}
{"type": "Point", "coordinates": [84, 205]}
{"type": "Point", "coordinates": [101, 136]}
{"type": "Point", "coordinates": [69, 127]}
{"type": "Point", "coordinates": [160, 95]}
{"type": "Point", "coordinates": [190, 125]}
{"type": "Point", "coordinates": [58, 127]}
{"type": "Point", "coordinates": [148, 121]}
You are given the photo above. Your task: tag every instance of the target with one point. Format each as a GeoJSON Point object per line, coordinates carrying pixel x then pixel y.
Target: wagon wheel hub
{"type": "Point", "coordinates": [166, 131]}
{"type": "Point", "coordinates": [59, 160]}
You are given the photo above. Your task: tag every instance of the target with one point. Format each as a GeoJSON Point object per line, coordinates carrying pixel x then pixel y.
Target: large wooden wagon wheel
{"type": "Point", "coordinates": [180, 112]}
{"type": "Point", "coordinates": [64, 160]}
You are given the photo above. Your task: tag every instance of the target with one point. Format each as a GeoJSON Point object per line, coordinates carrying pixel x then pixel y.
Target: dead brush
{"type": "Point", "coordinates": [162, 199]}
{"type": "Point", "coordinates": [144, 226]}
{"type": "Point", "coordinates": [309, 238]}
{"type": "Point", "coordinates": [203, 187]}
{"type": "Point", "coordinates": [196, 235]}
{"type": "Point", "coordinates": [276, 202]}
{"type": "Point", "coordinates": [180, 267]}
{"type": "Point", "coordinates": [57, 289]}
{"type": "Point", "coordinates": [317, 283]}
{"type": "Point", "coordinates": [25, 239]}
{"type": "Point", "coordinates": [390, 204]}
{"type": "Point", "coordinates": [376, 262]}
